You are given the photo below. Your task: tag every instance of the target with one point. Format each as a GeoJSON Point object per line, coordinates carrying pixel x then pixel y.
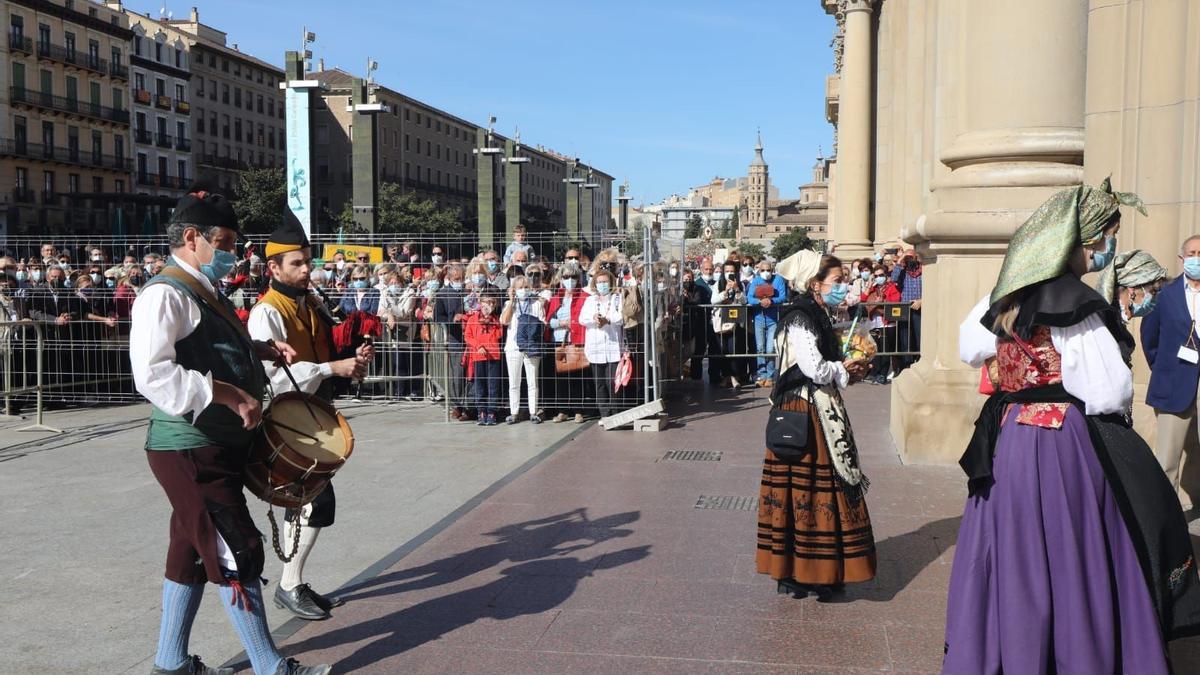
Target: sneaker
{"type": "Point", "coordinates": [560, 418]}
{"type": "Point", "coordinates": [193, 666]}
{"type": "Point", "coordinates": [535, 419]}
{"type": "Point", "coordinates": [482, 421]}
{"type": "Point", "coordinates": [511, 419]}
{"type": "Point", "coordinates": [491, 420]}
{"type": "Point", "coordinates": [578, 418]}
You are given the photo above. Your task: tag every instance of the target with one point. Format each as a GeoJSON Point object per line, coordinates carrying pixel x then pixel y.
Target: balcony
{"type": "Point", "coordinates": [46, 101]}
{"type": "Point", "coordinates": [118, 71]}
{"type": "Point", "coordinates": [220, 162]}
{"type": "Point", "coordinates": [50, 197]}
{"type": "Point", "coordinates": [19, 43]}
{"type": "Point", "coordinates": [142, 137]}
{"type": "Point", "coordinates": [162, 102]}
{"type": "Point", "coordinates": [160, 180]}
{"type": "Point", "coordinates": [24, 196]}
{"type": "Point", "coordinates": [15, 148]}
{"type": "Point", "coordinates": [52, 52]}
{"type": "Point", "coordinates": [142, 96]}
{"type": "Point", "coordinates": [163, 141]}
{"type": "Point", "coordinates": [183, 107]}
{"type": "Point", "coordinates": [183, 144]}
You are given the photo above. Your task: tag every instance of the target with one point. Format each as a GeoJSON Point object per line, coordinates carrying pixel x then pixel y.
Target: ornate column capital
{"type": "Point", "coordinates": [847, 6]}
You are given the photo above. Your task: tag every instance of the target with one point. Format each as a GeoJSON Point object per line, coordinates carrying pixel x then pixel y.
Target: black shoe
{"type": "Point", "coordinates": [293, 667]}
{"type": "Point", "coordinates": [299, 602]}
{"type": "Point", "coordinates": [324, 602]}
{"type": "Point", "coordinates": [792, 588]}
{"type": "Point", "coordinates": [193, 667]}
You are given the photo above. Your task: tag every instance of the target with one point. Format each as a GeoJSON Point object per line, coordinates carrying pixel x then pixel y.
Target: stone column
{"type": "Point", "coordinates": [1011, 78]}
{"type": "Point", "coordinates": [852, 231]}
{"type": "Point", "coordinates": [485, 190]}
{"type": "Point", "coordinates": [364, 157]}
{"type": "Point", "coordinates": [514, 168]}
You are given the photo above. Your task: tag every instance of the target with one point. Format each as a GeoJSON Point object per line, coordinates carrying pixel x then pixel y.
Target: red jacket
{"type": "Point", "coordinates": [577, 331]}
{"type": "Point", "coordinates": [890, 292]}
{"type": "Point", "coordinates": [485, 332]}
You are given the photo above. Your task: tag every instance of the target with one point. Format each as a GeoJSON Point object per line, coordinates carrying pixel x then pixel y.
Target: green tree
{"type": "Point", "coordinates": [796, 240]}
{"type": "Point", "coordinates": [730, 230]}
{"type": "Point", "coordinates": [756, 251]}
{"type": "Point", "coordinates": [695, 226]}
{"type": "Point", "coordinates": [259, 200]}
{"type": "Point", "coordinates": [399, 213]}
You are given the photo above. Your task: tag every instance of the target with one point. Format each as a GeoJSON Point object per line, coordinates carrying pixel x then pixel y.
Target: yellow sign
{"type": "Point", "coordinates": [351, 252]}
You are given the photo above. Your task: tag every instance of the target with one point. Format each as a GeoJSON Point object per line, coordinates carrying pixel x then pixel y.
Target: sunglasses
{"type": "Point", "coordinates": [572, 257]}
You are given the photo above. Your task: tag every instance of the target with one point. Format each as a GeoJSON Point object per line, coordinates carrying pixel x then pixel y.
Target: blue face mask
{"type": "Point", "coordinates": [866, 274]}
{"type": "Point", "coordinates": [456, 285]}
{"type": "Point", "coordinates": [568, 284]}
{"type": "Point", "coordinates": [358, 284]}
{"type": "Point", "coordinates": [478, 279]}
{"type": "Point", "coordinates": [110, 283]}
{"type": "Point", "coordinates": [434, 285]}
{"type": "Point", "coordinates": [221, 265]}
{"type": "Point", "coordinates": [21, 275]}
{"type": "Point", "coordinates": [394, 289]}
{"type": "Point", "coordinates": [1145, 306]}
{"type": "Point", "coordinates": [1103, 258]}
{"type": "Point", "coordinates": [603, 287]}
{"type": "Point", "coordinates": [836, 295]}
{"type": "Point", "coordinates": [493, 265]}
{"type": "Point", "coordinates": [1191, 268]}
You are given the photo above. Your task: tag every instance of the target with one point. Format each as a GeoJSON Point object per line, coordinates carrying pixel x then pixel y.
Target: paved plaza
{"type": "Point", "coordinates": [551, 549]}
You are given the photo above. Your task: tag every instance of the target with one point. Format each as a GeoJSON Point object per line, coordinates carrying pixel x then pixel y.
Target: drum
{"type": "Point", "coordinates": [302, 442]}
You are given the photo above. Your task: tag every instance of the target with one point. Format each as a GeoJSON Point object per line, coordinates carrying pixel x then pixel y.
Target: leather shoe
{"type": "Point", "coordinates": [324, 602]}
{"type": "Point", "coordinates": [300, 603]}
{"type": "Point", "coordinates": [293, 667]}
{"type": "Point", "coordinates": [193, 667]}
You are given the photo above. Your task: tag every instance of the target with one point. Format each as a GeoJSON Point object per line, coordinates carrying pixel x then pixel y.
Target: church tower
{"type": "Point", "coordinates": [757, 191]}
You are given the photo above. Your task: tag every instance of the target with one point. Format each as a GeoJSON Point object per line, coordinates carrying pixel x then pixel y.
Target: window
{"type": "Point", "coordinates": [137, 45]}
{"type": "Point", "coordinates": [48, 135]}
{"type": "Point", "coordinates": [237, 97]}
{"type": "Point", "coordinates": [406, 141]}
{"type": "Point", "coordinates": [48, 182]}
{"type": "Point", "coordinates": [116, 56]}
{"type": "Point", "coordinates": [271, 138]}
{"type": "Point", "coordinates": [94, 53]}
{"type": "Point", "coordinates": [200, 86]}
{"type": "Point", "coordinates": [17, 26]}
{"type": "Point", "coordinates": [212, 61]}
{"type": "Point", "coordinates": [44, 34]}
{"type": "Point", "coordinates": [73, 143]}
{"type": "Point", "coordinates": [158, 51]}
{"type": "Point", "coordinates": [427, 121]}
{"type": "Point", "coordinates": [225, 128]}
{"type": "Point", "coordinates": [22, 178]}
{"type": "Point", "coordinates": [439, 126]}
{"type": "Point", "coordinates": [212, 124]}
{"type": "Point", "coordinates": [224, 93]}
{"type": "Point", "coordinates": [178, 57]}
{"type": "Point", "coordinates": [160, 86]}
{"type": "Point", "coordinates": [200, 123]}
{"type": "Point", "coordinates": [118, 98]}
{"type": "Point", "coordinates": [119, 185]}
{"type": "Point", "coordinates": [224, 64]}
{"type": "Point", "coordinates": [69, 39]}
{"type": "Point", "coordinates": [181, 170]}
{"type": "Point", "coordinates": [260, 104]}
{"type": "Point", "coordinates": [261, 139]}
{"type": "Point", "coordinates": [322, 134]}
{"type": "Point", "coordinates": [237, 130]}
{"type": "Point", "coordinates": [179, 93]}
{"type": "Point", "coordinates": [73, 183]}
{"type": "Point", "coordinates": [180, 130]}
{"type": "Point", "coordinates": [97, 146]}
{"type": "Point", "coordinates": [139, 81]}
{"type": "Point", "coordinates": [119, 149]}
{"type": "Point", "coordinates": [97, 184]}
{"type": "Point", "coordinates": [270, 107]}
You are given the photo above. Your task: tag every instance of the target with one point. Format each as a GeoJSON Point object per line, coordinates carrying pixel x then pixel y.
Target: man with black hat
{"type": "Point", "coordinates": [195, 362]}
{"type": "Point", "coordinates": [288, 313]}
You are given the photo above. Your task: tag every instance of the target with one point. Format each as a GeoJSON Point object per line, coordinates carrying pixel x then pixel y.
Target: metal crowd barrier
{"type": "Point", "coordinates": [12, 390]}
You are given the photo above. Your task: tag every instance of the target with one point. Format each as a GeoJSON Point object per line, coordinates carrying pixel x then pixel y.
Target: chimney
{"type": "Point", "coordinates": [195, 15]}
{"type": "Point", "coordinates": [235, 48]}
{"type": "Point", "coordinates": [321, 65]}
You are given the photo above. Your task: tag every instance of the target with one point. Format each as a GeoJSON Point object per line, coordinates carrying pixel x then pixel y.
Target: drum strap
{"type": "Point", "coordinates": [207, 297]}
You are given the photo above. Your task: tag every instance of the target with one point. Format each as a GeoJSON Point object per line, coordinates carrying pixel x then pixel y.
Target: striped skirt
{"type": "Point", "coordinates": [808, 530]}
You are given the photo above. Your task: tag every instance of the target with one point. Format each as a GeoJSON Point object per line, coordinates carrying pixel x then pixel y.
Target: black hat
{"type": "Point", "coordinates": [289, 236]}
{"type": "Point", "coordinates": [204, 208]}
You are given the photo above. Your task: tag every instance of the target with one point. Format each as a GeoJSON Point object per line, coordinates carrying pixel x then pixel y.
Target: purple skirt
{"type": "Point", "coordinates": [1045, 577]}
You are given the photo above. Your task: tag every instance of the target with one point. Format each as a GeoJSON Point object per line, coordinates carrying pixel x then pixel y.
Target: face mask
{"type": "Point", "coordinates": [1191, 268]}
{"type": "Point", "coordinates": [95, 278]}
{"type": "Point", "coordinates": [487, 308]}
{"type": "Point", "coordinates": [661, 287]}
{"type": "Point", "coordinates": [878, 257]}
{"type": "Point", "coordinates": [522, 293]}
{"type": "Point", "coordinates": [879, 281]}
{"type": "Point", "coordinates": [220, 266]}
{"type": "Point", "coordinates": [836, 295]}
{"type": "Point", "coordinates": [96, 258]}
{"type": "Point", "coordinates": [674, 272]}
{"type": "Point", "coordinates": [1102, 259]}
{"type": "Point", "coordinates": [708, 278]}
{"type": "Point", "coordinates": [437, 259]}
{"type": "Point", "coordinates": [434, 285]}
{"type": "Point", "coordinates": [765, 275]}
{"type": "Point", "coordinates": [36, 275]}
{"type": "Point", "coordinates": [747, 274]}
{"type": "Point", "coordinates": [148, 269]}
{"type": "Point", "coordinates": [358, 284]}
{"type": "Point", "coordinates": [394, 289]}
{"type": "Point", "coordinates": [478, 279]}
{"type": "Point", "coordinates": [603, 287]}
{"type": "Point", "coordinates": [569, 284]}
{"type": "Point", "coordinates": [135, 281]}
{"type": "Point", "coordinates": [492, 266]}
{"type": "Point", "coordinates": [340, 264]}
{"type": "Point", "coordinates": [1145, 306]}
{"type": "Point", "coordinates": [456, 285]}
{"type": "Point", "coordinates": [21, 275]}
{"type": "Point", "coordinates": [630, 283]}
{"type": "Point", "coordinates": [866, 274]}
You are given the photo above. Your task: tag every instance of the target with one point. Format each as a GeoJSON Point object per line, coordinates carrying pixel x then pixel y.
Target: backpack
{"type": "Point", "coordinates": [531, 332]}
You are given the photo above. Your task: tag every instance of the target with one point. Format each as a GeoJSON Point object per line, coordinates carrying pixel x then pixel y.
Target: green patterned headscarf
{"type": "Point", "coordinates": [1041, 248]}
{"type": "Point", "coordinates": [1130, 270]}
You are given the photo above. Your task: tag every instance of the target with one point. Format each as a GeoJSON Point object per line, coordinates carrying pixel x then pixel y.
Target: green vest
{"type": "Point", "coordinates": [225, 351]}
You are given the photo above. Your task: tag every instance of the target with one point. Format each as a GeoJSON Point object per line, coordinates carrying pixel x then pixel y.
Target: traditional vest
{"type": "Point", "coordinates": [306, 331]}
{"type": "Point", "coordinates": [216, 347]}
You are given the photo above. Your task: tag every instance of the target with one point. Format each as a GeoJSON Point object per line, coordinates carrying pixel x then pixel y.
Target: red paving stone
{"type": "Point", "coordinates": [596, 561]}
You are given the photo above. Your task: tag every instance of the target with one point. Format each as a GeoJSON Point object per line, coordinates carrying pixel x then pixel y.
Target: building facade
{"type": "Point", "coordinates": [431, 154]}
{"type": "Point", "coordinates": [159, 61]}
{"type": "Point", "coordinates": [809, 212]}
{"type": "Point", "coordinates": [235, 104]}
{"type": "Point", "coordinates": [65, 146]}
{"type": "Point", "coordinates": [955, 120]}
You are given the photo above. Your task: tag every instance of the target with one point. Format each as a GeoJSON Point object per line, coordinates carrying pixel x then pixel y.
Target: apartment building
{"type": "Point", "coordinates": [160, 61]}
{"type": "Point", "coordinates": [236, 105]}
{"type": "Point", "coordinates": [65, 147]}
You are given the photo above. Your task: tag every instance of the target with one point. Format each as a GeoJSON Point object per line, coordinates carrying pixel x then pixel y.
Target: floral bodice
{"type": "Point", "coordinates": [1025, 365]}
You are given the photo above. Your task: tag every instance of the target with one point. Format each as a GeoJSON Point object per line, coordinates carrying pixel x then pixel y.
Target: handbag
{"type": "Point", "coordinates": [569, 358]}
{"type": "Point", "coordinates": [787, 430]}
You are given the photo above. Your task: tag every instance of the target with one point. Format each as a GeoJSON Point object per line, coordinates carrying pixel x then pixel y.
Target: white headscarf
{"type": "Point", "coordinates": [799, 269]}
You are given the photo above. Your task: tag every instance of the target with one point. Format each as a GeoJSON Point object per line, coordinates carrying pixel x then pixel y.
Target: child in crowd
{"type": "Point", "coordinates": [482, 336]}
{"type": "Point", "coordinates": [518, 244]}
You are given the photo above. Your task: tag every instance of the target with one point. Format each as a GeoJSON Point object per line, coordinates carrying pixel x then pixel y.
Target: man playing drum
{"type": "Point", "coordinates": [288, 313]}
{"type": "Point", "coordinates": [193, 360]}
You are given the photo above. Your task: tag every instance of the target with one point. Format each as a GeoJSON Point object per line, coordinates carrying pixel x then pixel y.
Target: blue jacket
{"type": "Point", "coordinates": [1173, 381]}
{"type": "Point", "coordinates": [370, 301]}
{"type": "Point", "coordinates": [772, 312]}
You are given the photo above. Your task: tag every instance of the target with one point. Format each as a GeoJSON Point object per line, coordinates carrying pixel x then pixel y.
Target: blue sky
{"type": "Point", "coordinates": [665, 93]}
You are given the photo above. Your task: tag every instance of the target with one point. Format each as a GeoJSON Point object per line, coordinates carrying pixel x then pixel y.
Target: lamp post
{"type": "Point", "coordinates": [364, 149]}
{"type": "Point", "coordinates": [513, 170]}
{"type": "Point", "coordinates": [485, 172]}
{"type": "Point", "coordinates": [297, 95]}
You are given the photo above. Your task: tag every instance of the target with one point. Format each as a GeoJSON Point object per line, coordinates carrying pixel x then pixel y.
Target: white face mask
{"type": "Point", "coordinates": [340, 264]}
{"type": "Point", "coordinates": [437, 259]}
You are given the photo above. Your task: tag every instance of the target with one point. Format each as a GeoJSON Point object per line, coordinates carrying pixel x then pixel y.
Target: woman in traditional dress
{"type": "Point", "coordinates": [1073, 554]}
{"type": "Point", "coordinates": [1132, 283]}
{"type": "Point", "coordinates": [814, 532]}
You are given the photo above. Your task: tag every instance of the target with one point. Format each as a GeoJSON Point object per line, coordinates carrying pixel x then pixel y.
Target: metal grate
{"type": "Point", "coordinates": [727, 503]}
{"type": "Point", "coordinates": [693, 456]}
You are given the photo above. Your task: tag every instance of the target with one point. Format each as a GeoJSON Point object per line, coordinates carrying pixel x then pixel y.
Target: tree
{"type": "Point", "coordinates": [746, 248]}
{"type": "Point", "coordinates": [796, 240]}
{"type": "Point", "coordinates": [399, 213]}
{"type": "Point", "coordinates": [260, 198]}
{"type": "Point", "coordinates": [695, 226]}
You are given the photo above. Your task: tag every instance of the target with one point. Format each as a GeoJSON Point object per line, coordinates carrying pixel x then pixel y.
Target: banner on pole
{"type": "Point", "coordinates": [298, 171]}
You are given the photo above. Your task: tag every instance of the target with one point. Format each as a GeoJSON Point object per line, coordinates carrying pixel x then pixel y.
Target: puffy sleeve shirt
{"type": "Point", "coordinates": [266, 323]}
{"type": "Point", "coordinates": [804, 351]}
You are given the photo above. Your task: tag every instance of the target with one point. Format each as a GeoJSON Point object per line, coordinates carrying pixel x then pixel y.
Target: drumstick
{"type": "Point", "coordinates": [295, 385]}
{"type": "Point", "coordinates": [294, 430]}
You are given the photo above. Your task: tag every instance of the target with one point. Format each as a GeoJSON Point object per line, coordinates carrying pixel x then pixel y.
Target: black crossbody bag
{"type": "Point", "coordinates": [787, 431]}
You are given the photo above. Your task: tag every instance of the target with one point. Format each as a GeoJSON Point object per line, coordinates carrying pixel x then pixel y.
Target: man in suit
{"type": "Point", "coordinates": [1172, 344]}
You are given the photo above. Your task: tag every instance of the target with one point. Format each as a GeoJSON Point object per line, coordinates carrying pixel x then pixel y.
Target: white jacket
{"type": "Point", "coordinates": [602, 344]}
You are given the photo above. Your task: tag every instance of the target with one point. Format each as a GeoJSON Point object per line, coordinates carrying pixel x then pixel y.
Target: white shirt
{"type": "Point", "coordinates": [1193, 303]}
{"type": "Point", "coordinates": [602, 344]}
{"type": "Point", "coordinates": [802, 350]}
{"type": "Point", "coordinates": [1093, 370]}
{"type": "Point", "coordinates": [266, 323]}
{"type": "Point", "coordinates": [162, 316]}
{"type": "Point", "coordinates": [533, 306]}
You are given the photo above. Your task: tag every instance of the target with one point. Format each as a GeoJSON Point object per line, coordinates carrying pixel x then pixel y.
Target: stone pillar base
{"type": "Point", "coordinates": [934, 412]}
{"type": "Point", "coordinates": [853, 250]}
